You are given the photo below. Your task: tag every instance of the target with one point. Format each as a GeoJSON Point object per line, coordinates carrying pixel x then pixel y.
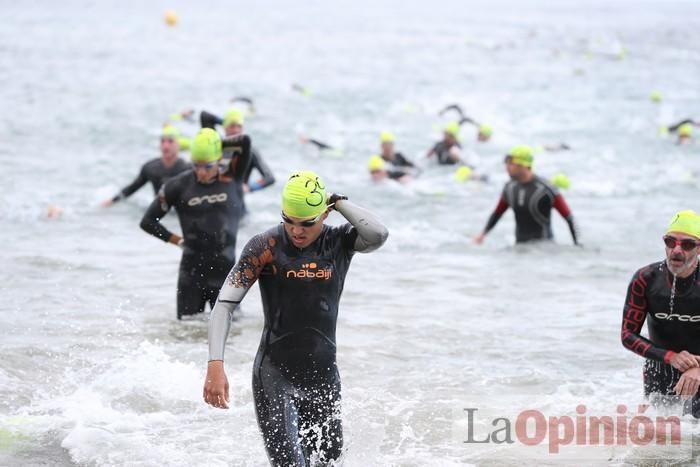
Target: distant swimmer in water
{"type": "Point", "coordinates": [246, 100]}
{"type": "Point", "coordinates": [684, 129]}
{"type": "Point", "coordinates": [448, 151]}
{"type": "Point", "coordinates": [320, 145]}
{"type": "Point", "coordinates": [156, 171]}
{"type": "Point", "coordinates": [391, 156]}
{"type": "Point", "coordinates": [378, 171]}
{"type": "Point", "coordinates": [207, 200]}
{"type": "Point", "coordinates": [300, 266]}
{"type": "Point", "coordinates": [531, 199]}
{"type": "Point", "coordinates": [667, 295]}
{"type": "Point", "coordinates": [484, 131]}
{"type": "Point", "coordinates": [233, 125]}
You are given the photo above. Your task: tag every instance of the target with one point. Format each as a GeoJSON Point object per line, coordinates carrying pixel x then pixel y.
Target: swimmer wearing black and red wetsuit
{"type": "Point", "coordinates": [531, 199]}
{"type": "Point", "coordinates": [666, 295]}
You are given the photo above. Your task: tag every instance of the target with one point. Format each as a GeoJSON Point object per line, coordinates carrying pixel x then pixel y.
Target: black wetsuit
{"type": "Point", "coordinates": [674, 326]}
{"type": "Point", "coordinates": [209, 214]}
{"type": "Point", "coordinates": [209, 120]}
{"type": "Point", "coordinates": [442, 151]}
{"type": "Point", "coordinates": [400, 160]}
{"type": "Point", "coordinates": [532, 204]}
{"type": "Point", "coordinates": [295, 379]}
{"type": "Point", "coordinates": [153, 171]}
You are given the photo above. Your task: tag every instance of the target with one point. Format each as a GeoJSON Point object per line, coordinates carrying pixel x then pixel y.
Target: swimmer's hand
{"type": "Point", "coordinates": [107, 203]}
{"type": "Point", "coordinates": [176, 240]}
{"type": "Point", "coordinates": [333, 198]}
{"type": "Point", "coordinates": [479, 239]}
{"type": "Point", "coordinates": [688, 384]}
{"type": "Point", "coordinates": [684, 360]}
{"type": "Point", "coordinates": [216, 385]}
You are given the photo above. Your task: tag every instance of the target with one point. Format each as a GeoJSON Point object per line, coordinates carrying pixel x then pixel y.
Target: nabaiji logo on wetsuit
{"type": "Point", "coordinates": [311, 271]}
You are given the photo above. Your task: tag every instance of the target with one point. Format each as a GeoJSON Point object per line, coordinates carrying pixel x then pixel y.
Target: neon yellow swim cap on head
{"type": "Point", "coordinates": [463, 173]}
{"type": "Point", "coordinates": [485, 130]}
{"type": "Point", "coordinates": [452, 129]}
{"type": "Point", "coordinates": [233, 117]}
{"type": "Point", "coordinates": [206, 146]}
{"type": "Point", "coordinates": [522, 155]}
{"type": "Point", "coordinates": [375, 163]}
{"type": "Point", "coordinates": [169, 131]}
{"type": "Point", "coordinates": [687, 222]}
{"type": "Point", "coordinates": [304, 195]}
{"type": "Point", "coordinates": [560, 180]}
{"type": "Point", "coordinates": [184, 143]}
{"type": "Point", "coordinates": [386, 137]}
{"type": "Point", "coordinates": [685, 130]}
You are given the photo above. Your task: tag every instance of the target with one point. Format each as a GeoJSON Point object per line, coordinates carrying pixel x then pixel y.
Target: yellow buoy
{"type": "Point", "coordinates": [170, 18]}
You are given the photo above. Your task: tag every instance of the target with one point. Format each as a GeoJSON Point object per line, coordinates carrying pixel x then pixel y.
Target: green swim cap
{"type": "Point", "coordinates": [656, 96]}
{"type": "Point", "coordinates": [463, 173]}
{"type": "Point", "coordinates": [304, 196]}
{"type": "Point", "coordinates": [169, 131]}
{"type": "Point", "coordinates": [452, 129]}
{"type": "Point", "coordinates": [375, 163]}
{"type": "Point", "coordinates": [206, 146]}
{"type": "Point", "coordinates": [560, 180]}
{"type": "Point", "coordinates": [522, 155]}
{"type": "Point", "coordinates": [387, 137]}
{"type": "Point", "coordinates": [184, 144]}
{"type": "Point", "coordinates": [485, 130]}
{"type": "Point", "coordinates": [685, 130]}
{"type": "Point", "coordinates": [687, 222]}
{"type": "Point", "coordinates": [233, 117]}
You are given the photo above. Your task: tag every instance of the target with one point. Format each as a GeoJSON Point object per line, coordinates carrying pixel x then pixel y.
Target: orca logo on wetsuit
{"type": "Point", "coordinates": [676, 316]}
{"type": "Point", "coordinates": [310, 271]}
{"type": "Point", "coordinates": [211, 199]}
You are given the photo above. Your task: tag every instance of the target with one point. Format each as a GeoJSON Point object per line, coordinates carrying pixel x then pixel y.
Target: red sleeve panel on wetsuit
{"type": "Point", "coordinates": [633, 317]}
{"type": "Point", "coordinates": [561, 206]}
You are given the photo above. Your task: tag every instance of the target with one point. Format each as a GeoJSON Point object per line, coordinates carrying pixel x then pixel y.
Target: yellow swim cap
{"type": "Point", "coordinates": [485, 130]}
{"type": "Point", "coordinates": [169, 131]}
{"type": "Point", "coordinates": [463, 173]}
{"type": "Point", "coordinates": [233, 117]}
{"type": "Point", "coordinates": [206, 146]}
{"type": "Point", "coordinates": [687, 222]}
{"type": "Point", "coordinates": [522, 155]}
{"type": "Point", "coordinates": [656, 96]}
{"type": "Point", "coordinates": [184, 143]}
{"type": "Point", "coordinates": [375, 163]}
{"type": "Point", "coordinates": [304, 196]}
{"type": "Point", "coordinates": [560, 180]}
{"type": "Point", "coordinates": [387, 137]}
{"type": "Point", "coordinates": [685, 130]}
{"type": "Point", "coordinates": [452, 129]}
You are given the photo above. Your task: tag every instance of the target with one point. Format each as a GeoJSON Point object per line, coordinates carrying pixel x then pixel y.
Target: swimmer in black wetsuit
{"type": "Point", "coordinates": [684, 128]}
{"type": "Point", "coordinates": [389, 154]}
{"type": "Point", "coordinates": [232, 124]}
{"type": "Point", "coordinates": [300, 266]}
{"type": "Point", "coordinates": [378, 172]}
{"type": "Point", "coordinates": [448, 151]}
{"type": "Point", "coordinates": [208, 204]}
{"type": "Point", "coordinates": [668, 294]}
{"type": "Point", "coordinates": [531, 199]}
{"type": "Point", "coordinates": [156, 171]}
{"type": "Point", "coordinates": [484, 131]}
